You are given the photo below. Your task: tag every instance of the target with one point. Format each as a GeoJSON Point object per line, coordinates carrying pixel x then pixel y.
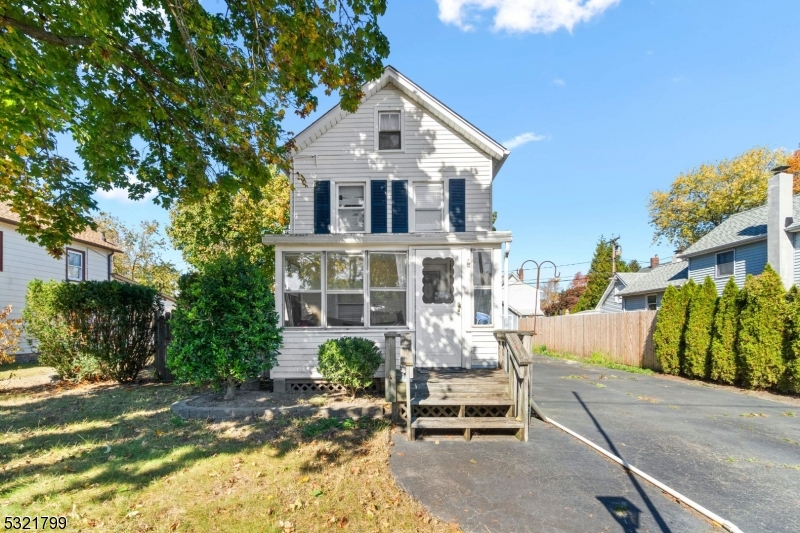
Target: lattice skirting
{"type": "Point", "coordinates": [401, 410]}
{"type": "Point", "coordinates": [308, 385]}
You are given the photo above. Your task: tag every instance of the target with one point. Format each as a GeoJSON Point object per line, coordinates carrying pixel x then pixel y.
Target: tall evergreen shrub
{"type": "Point", "coordinates": [762, 325]}
{"type": "Point", "coordinates": [790, 382]}
{"type": "Point", "coordinates": [668, 334]}
{"type": "Point", "coordinates": [224, 326]}
{"type": "Point", "coordinates": [724, 359]}
{"type": "Point", "coordinates": [701, 309]}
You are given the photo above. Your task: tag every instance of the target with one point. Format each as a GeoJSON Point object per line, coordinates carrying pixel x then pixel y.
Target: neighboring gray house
{"type": "Point", "coordinates": [741, 245]}
{"type": "Point", "coordinates": [640, 291]}
{"type": "Point", "coordinates": [747, 241]}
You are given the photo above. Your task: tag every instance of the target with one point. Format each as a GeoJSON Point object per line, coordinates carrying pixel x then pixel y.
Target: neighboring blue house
{"type": "Point", "coordinates": [741, 245]}
{"type": "Point", "coordinates": [641, 291]}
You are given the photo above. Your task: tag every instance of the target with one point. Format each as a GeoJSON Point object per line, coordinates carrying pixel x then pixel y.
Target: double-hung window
{"type": "Point", "coordinates": [389, 132]}
{"type": "Point", "coordinates": [428, 207]}
{"type": "Point", "coordinates": [302, 289]}
{"type": "Point", "coordinates": [76, 265]}
{"type": "Point", "coordinates": [482, 286]}
{"type": "Point", "coordinates": [345, 289]}
{"type": "Point", "coordinates": [725, 264]}
{"type": "Point", "coordinates": [387, 289]}
{"type": "Point", "coordinates": [350, 212]}
{"type": "Point", "coordinates": [652, 302]}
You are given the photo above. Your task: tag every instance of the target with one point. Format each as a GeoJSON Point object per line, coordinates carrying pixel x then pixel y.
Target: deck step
{"type": "Point", "coordinates": [467, 422]}
{"type": "Point", "coordinates": [470, 400]}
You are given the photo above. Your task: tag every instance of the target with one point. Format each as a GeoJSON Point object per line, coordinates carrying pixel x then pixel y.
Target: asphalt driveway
{"type": "Point", "coordinates": [737, 455]}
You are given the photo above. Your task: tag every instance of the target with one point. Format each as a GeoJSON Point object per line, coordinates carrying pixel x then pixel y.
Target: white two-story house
{"type": "Point", "coordinates": [391, 231]}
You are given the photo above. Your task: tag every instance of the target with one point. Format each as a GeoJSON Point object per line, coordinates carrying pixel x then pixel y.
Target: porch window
{"type": "Point", "coordinates": [302, 286]}
{"type": "Point", "coordinates": [387, 283]}
{"type": "Point", "coordinates": [389, 133]}
{"type": "Point", "coordinates": [482, 286]}
{"type": "Point", "coordinates": [725, 264]}
{"type": "Point", "coordinates": [652, 302]}
{"type": "Point", "coordinates": [350, 212]}
{"type": "Point", "coordinates": [345, 290]}
{"type": "Point", "coordinates": [428, 207]}
{"type": "Point", "coordinates": [437, 280]}
{"type": "Point", "coordinates": [76, 265]}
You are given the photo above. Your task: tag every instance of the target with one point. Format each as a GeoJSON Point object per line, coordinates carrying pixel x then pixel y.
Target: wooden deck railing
{"type": "Point", "coordinates": [514, 356]}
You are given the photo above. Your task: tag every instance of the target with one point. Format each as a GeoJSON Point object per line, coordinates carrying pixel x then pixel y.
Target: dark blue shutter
{"type": "Point", "coordinates": [322, 207]}
{"type": "Point", "coordinates": [399, 207]}
{"type": "Point", "coordinates": [378, 211]}
{"type": "Point", "coordinates": [458, 199]}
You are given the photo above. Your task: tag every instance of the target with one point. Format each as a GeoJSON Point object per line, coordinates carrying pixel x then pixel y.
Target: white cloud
{"type": "Point", "coordinates": [521, 139]}
{"type": "Point", "coordinates": [121, 195]}
{"type": "Point", "coordinates": [519, 16]}
{"type": "Point", "coordinates": [559, 82]}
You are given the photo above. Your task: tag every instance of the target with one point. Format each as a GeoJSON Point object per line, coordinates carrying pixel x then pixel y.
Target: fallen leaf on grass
{"type": "Point", "coordinates": [473, 461]}
{"type": "Point", "coordinates": [304, 479]}
{"type": "Point", "coordinates": [132, 514]}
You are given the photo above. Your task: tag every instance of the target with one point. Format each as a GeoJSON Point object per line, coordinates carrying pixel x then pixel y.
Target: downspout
{"type": "Point", "coordinates": [505, 284]}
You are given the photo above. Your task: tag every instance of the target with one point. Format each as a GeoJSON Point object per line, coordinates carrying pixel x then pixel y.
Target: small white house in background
{"type": "Point", "coordinates": [87, 258]}
{"type": "Point", "coordinates": [523, 301]}
{"type": "Point", "coordinates": [391, 231]}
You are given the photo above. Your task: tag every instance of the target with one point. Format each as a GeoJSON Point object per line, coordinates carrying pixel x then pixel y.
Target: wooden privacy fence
{"type": "Point", "coordinates": [163, 336]}
{"type": "Point", "coordinates": [625, 338]}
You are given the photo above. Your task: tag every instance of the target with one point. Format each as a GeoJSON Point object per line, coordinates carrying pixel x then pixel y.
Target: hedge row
{"type": "Point", "coordinates": [92, 329]}
{"type": "Point", "coordinates": [749, 337]}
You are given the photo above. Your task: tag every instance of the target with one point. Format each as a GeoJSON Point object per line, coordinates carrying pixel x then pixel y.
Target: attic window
{"type": "Point", "coordinates": [389, 137]}
{"type": "Point", "coordinates": [725, 264]}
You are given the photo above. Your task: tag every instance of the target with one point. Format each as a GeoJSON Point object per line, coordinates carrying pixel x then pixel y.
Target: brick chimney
{"type": "Point", "coordinates": [654, 261]}
{"type": "Point", "coordinates": [780, 252]}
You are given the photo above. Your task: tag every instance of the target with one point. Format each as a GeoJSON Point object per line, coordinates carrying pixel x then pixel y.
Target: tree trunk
{"type": "Point", "coordinates": [230, 394]}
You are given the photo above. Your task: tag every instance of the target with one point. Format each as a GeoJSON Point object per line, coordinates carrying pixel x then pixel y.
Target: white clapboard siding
{"type": "Point", "coordinates": [431, 151]}
{"type": "Point", "coordinates": [298, 356]}
{"type": "Point", "coordinates": [483, 348]}
{"type": "Point", "coordinates": [24, 261]}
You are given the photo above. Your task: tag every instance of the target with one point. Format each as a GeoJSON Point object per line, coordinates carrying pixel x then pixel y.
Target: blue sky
{"type": "Point", "coordinates": [616, 98]}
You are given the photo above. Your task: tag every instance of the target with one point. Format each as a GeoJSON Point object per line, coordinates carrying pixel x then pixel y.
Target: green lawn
{"type": "Point", "coordinates": [596, 359]}
{"type": "Point", "coordinates": [114, 458]}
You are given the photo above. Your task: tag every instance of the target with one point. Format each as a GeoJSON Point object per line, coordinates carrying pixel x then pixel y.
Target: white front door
{"type": "Point", "coordinates": [438, 309]}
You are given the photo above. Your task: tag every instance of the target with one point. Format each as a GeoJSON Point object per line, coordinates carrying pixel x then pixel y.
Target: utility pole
{"type": "Point", "coordinates": [614, 256]}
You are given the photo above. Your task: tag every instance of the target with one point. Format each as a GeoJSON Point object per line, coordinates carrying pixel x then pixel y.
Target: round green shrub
{"type": "Point", "coordinates": [724, 359]}
{"type": "Point", "coordinates": [350, 362]}
{"type": "Point", "coordinates": [762, 324]}
{"type": "Point", "coordinates": [701, 307]}
{"type": "Point", "coordinates": [115, 324]}
{"type": "Point", "coordinates": [224, 326]}
{"type": "Point", "coordinates": [92, 329]}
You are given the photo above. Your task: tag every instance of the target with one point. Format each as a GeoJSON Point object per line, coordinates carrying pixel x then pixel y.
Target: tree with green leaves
{"type": "Point", "coordinates": [226, 223]}
{"type": "Point", "coordinates": [701, 199]}
{"type": "Point", "coordinates": [699, 321]}
{"type": "Point", "coordinates": [179, 97]}
{"type": "Point", "coordinates": [668, 336]}
{"type": "Point", "coordinates": [762, 325]}
{"type": "Point", "coordinates": [224, 326]}
{"type": "Point", "coordinates": [599, 275]}
{"type": "Point", "coordinates": [141, 259]}
{"type": "Point", "coordinates": [790, 381]}
{"type": "Point", "coordinates": [724, 359]}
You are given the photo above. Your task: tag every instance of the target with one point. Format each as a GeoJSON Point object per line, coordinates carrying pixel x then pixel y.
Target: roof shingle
{"type": "Point", "coordinates": [87, 236]}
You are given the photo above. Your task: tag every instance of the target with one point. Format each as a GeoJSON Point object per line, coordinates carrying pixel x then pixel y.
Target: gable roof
{"type": "Point", "coordinates": [741, 228]}
{"type": "Point", "coordinates": [87, 236]}
{"type": "Point", "coordinates": [657, 279]}
{"type": "Point", "coordinates": [414, 92]}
